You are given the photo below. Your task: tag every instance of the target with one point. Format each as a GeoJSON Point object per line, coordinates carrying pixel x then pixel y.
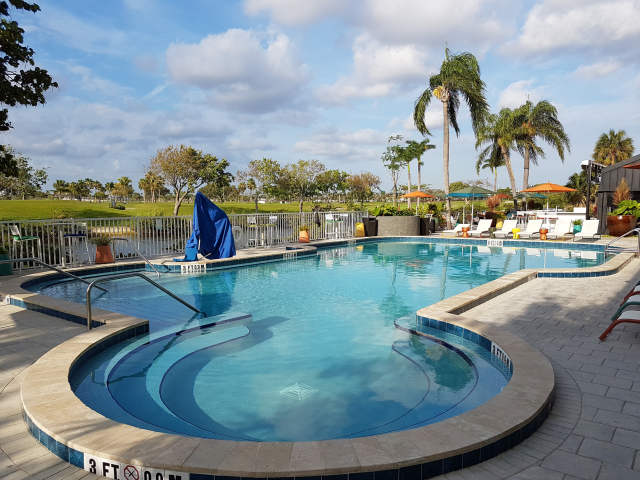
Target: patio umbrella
{"type": "Point", "coordinates": [472, 193]}
{"type": "Point", "coordinates": [417, 194]}
{"type": "Point", "coordinates": [548, 188]}
{"type": "Point", "coordinates": [522, 196]}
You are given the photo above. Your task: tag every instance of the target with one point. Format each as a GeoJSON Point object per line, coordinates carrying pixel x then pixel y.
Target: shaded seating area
{"type": "Point", "coordinates": [483, 227]}
{"type": "Point", "coordinates": [507, 227]}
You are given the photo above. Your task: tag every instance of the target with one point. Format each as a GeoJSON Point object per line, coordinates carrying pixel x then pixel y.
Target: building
{"type": "Point", "coordinates": [610, 179]}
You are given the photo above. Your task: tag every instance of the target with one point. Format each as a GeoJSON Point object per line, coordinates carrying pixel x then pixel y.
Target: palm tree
{"type": "Point", "coordinates": [60, 187]}
{"type": "Point", "coordinates": [500, 134]}
{"type": "Point", "coordinates": [613, 147]}
{"type": "Point", "coordinates": [143, 185]}
{"type": "Point", "coordinates": [459, 76]}
{"type": "Point", "coordinates": [539, 121]}
{"type": "Point", "coordinates": [418, 149]}
{"type": "Point", "coordinates": [491, 158]}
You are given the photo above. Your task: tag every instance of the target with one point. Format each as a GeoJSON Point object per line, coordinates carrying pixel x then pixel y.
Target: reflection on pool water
{"type": "Point", "coordinates": [312, 353]}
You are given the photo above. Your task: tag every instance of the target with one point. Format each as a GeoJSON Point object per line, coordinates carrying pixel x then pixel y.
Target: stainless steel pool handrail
{"type": "Point", "coordinates": [40, 262]}
{"type": "Point", "coordinates": [128, 275]}
{"type": "Point", "coordinates": [138, 252]}
{"type": "Point", "coordinates": [622, 249]}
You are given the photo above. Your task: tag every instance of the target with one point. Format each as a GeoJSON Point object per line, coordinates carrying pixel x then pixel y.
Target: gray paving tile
{"type": "Point", "coordinates": [571, 464]}
{"type": "Point", "coordinates": [607, 452]}
{"type": "Point", "coordinates": [615, 472]}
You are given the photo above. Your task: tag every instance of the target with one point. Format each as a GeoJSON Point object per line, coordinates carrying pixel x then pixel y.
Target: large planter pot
{"type": "Point", "coordinates": [577, 228]}
{"type": "Point", "coordinates": [304, 237]}
{"type": "Point", "coordinates": [620, 224]}
{"type": "Point", "coordinates": [6, 268]}
{"type": "Point", "coordinates": [398, 226]}
{"type": "Point", "coordinates": [104, 254]}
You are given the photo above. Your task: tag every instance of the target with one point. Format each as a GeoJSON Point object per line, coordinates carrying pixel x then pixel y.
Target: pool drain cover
{"type": "Point", "coordinates": [299, 391]}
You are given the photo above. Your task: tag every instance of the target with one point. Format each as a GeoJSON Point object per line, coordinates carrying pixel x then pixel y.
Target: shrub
{"type": "Point", "coordinates": [304, 228]}
{"type": "Point", "coordinates": [621, 193]}
{"type": "Point", "coordinates": [101, 241]}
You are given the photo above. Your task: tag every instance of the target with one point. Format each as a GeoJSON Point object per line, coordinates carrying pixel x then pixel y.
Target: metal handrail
{"type": "Point", "coordinates": [128, 275]}
{"type": "Point", "coordinates": [138, 252]}
{"type": "Point", "coordinates": [635, 230]}
{"type": "Point", "coordinates": [39, 262]}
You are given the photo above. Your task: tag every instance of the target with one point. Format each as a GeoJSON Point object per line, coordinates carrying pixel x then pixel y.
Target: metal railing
{"type": "Point", "coordinates": [151, 236]}
{"type": "Point", "coordinates": [46, 265]}
{"type": "Point", "coordinates": [138, 252]}
{"type": "Point", "coordinates": [128, 275]}
{"type": "Point", "coordinates": [608, 247]}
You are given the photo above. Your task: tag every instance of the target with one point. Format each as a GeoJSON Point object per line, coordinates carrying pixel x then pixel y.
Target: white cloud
{"type": "Point", "coordinates": [600, 69]}
{"type": "Point", "coordinates": [516, 94]}
{"type": "Point", "coordinates": [295, 12]}
{"type": "Point", "coordinates": [246, 70]}
{"type": "Point", "coordinates": [433, 119]}
{"type": "Point", "coordinates": [331, 142]}
{"type": "Point", "coordinates": [378, 71]}
{"type": "Point", "coordinates": [590, 26]}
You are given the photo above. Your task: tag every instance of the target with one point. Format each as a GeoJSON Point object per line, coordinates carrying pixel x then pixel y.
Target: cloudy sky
{"type": "Point", "coordinates": [320, 79]}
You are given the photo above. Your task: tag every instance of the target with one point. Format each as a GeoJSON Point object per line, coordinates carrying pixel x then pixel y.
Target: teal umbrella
{"type": "Point", "coordinates": [472, 193]}
{"type": "Point", "coordinates": [526, 195]}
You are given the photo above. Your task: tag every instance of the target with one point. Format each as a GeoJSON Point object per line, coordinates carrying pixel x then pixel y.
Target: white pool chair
{"type": "Point", "coordinates": [589, 255]}
{"type": "Point", "coordinates": [507, 226]}
{"type": "Point", "coordinates": [455, 231]}
{"type": "Point", "coordinates": [509, 250]}
{"type": "Point", "coordinates": [484, 249]}
{"type": "Point", "coordinates": [589, 230]}
{"type": "Point", "coordinates": [533, 228]}
{"type": "Point", "coordinates": [561, 253]}
{"type": "Point", "coordinates": [561, 229]}
{"type": "Point", "coordinates": [533, 252]}
{"type": "Point", "coordinates": [483, 227]}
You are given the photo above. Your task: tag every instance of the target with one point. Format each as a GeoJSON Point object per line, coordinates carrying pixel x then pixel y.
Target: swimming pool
{"type": "Point", "coordinates": [309, 350]}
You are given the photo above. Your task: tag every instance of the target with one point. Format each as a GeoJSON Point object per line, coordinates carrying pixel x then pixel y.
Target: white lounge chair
{"type": "Point", "coordinates": [456, 230]}
{"type": "Point", "coordinates": [507, 226]}
{"type": "Point", "coordinates": [482, 249]}
{"type": "Point", "coordinates": [589, 230]}
{"type": "Point", "coordinates": [483, 227]}
{"type": "Point", "coordinates": [533, 252]}
{"type": "Point", "coordinates": [533, 228]}
{"type": "Point", "coordinates": [561, 229]}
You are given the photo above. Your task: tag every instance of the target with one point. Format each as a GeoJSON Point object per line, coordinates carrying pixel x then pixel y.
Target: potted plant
{"type": "Point", "coordinates": [577, 225]}
{"type": "Point", "coordinates": [5, 268]}
{"type": "Point", "coordinates": [625, 216]}
{"type": "Point", "coordinates": [304, 234]}
{"type": "Point", "coordinates": [103, 249]}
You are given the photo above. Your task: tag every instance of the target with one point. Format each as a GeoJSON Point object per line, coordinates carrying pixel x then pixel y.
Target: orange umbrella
{"type": "Point", "coordinates": [549, 188]}
{"type": "Point", "coordinates": [417, 194]}
{"type": "Point", "coordinates": [634, 166]}
{"type": "Point", "coordinates": [503, 195]}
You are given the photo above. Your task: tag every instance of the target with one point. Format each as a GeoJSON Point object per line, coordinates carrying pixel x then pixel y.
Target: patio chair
{"type": "Point", "coordinates": [456, 230]}
{"type": "Point", "coordinates": [190, 255]}
{"type": "Point", "coordinates": [507, 226]}
{"type": "Point", "coordinates": [483, 227]}
{"type": "Point", "coordinates": [19, 239]}
{"type": "Point", "coordinates": [633, 316]}
{"type": "Point", "coordinates": [589, 230]}
{"type": "Point", "coordinates": [561, 229]}
{"type": "Point", "coordinates": [533, 228]}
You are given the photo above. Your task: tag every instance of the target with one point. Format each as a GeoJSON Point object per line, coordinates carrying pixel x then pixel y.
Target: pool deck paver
{"type": "Point", "coordinates": [593, 431]}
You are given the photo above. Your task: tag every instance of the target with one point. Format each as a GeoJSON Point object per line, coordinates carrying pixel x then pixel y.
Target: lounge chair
{"type": "Point", "coordinates": [456, 230]}
{"type": "Point", "coordinates": [483, 227]}
{"type": "Point", "coordinates": [633, 316]}
{"type": "Point", "coordinates": [589, 230]}
{"type": "Point", "coordinates": [561, 229]}
{"type": "Point", "coordinates": [190, 255]}
{"type": "Point", "coordinates": [507, 226]}
{"type": "Point", "coordinates": [533, 228]}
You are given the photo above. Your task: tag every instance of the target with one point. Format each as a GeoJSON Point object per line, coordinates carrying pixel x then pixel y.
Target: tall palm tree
{"type": "Point", "coordinates": [613, 147]}
{"type": "Point", "coordinates": [539, 121]}
{"type": "Point", "coordinates": [143, 185]}
{"type": "Point", "coordinates": [491, 158]}
{"type": "Point", "coordinates": [418, 149]}
{"type": "Point", "coordinates": [500, 135]}
{"type": "Point", "coordinates": [60, 187]}
{"type": "Point", "coordinates": [459, 76]}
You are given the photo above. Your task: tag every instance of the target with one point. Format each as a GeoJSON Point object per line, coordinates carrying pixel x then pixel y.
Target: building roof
{"type": "Point", "coordinates": [612, 175]}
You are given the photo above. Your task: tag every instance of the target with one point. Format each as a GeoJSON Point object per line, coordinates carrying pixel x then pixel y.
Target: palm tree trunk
{"type": "Point", "coordinates": [409, 180]}
{"type": "Point", "coordinates": [512, 178]}
{"type": "Point", "coordinates": [419, 182]}
{"type": "Point", "coordinates": [445, 156]}
{"type": "Point", "coordinates": [525, 183]}
{"type": "Point", "coordinates": [495, 180]}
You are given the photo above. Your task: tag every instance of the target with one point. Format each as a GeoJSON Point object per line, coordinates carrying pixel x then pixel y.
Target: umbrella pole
{"type": "Point", "coordinates": [472, 210]}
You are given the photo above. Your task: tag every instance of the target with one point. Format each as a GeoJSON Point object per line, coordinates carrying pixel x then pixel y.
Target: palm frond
{"type": "Point", "coordinates": [420, 107]}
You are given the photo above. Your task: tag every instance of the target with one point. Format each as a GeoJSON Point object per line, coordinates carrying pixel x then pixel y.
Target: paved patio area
{"type": "Point", "coordinates": [593, 432]}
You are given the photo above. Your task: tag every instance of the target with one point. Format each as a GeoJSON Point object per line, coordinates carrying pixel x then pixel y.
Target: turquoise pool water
{"type": "Point", "coordinates": [309, 351]}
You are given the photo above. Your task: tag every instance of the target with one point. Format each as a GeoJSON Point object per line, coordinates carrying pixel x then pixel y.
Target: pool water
{"type": "Point", "coordinates": [303, 349]}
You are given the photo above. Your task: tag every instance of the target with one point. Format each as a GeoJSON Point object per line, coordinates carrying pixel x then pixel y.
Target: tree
{"type": "Point", "coordinates": [79, 189]}
{"type": "Point", "coordinates": [109, 186]}
{"type": "Point", "coordinates": [417, 150]}
{"type": "Point", "coordinates": [123, 188]}
{"type": "Point", "coordinates": [186, 169]}
{"type": "Point", "coordinates": [262, 177]}
{"type": "Point", "coordinates": [332, 182]}
{"type": "Point", "coordinates": [613, 147]}
{"type": "Point", "coordinates": [143, 185]}
{"type": "Point", "coordinates": [492, 159]}
{"type": "Point", "coordinates": [539, 121]}
{"type": "Point", "coordinates": [455, 186]}
{"type": "Point", "coordinates": [459, 76]}
{"type": "Point", "coordinates": [393, 161]}
{"type": "Point", "coordinates": [8, 164]}
{"type": "Point", "coordinates": [29, 180]}
{"type": "Point", "coordinates": [301, 179]}
{"type": "Point", "coordinates": [60, 187]}
{"type": "Point", "coordinates": [362, 185]}
{"type": "Point", "coordinates": [18, 85]}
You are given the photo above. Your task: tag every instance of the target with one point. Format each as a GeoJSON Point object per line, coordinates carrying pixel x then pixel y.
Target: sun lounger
{"type": "Point", "coordinates": [561, 229]}
{"type": "Point", "coordinates": [589, 230]}
{"type": "Point", "coordinates": [561, 253]}
{"type": "Point", "coordinates": [534, 252]}
{"type": "Point", "coordinates": [507, 226]}
{"type": "Point", "coordinates": [456, 230]}
{"type": "Point", "coordinates": [533, 228]}
{"type": "Point", "coordinates": [509, 250]}
{"type": "Point", "coordinates": [482, 249]}
{"type": "Point", "coordinates": [483, 227]}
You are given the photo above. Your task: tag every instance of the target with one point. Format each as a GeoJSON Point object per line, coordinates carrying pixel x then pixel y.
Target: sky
{"type": "Point", "coordinates": [321, 79]}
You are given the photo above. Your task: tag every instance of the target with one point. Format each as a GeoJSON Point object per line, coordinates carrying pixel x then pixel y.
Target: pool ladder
{"type": "Point", "coordinates": [608, 248]}
{"type": "Point", "coordinates": [138, 252]}
{"type": "Point", "coordinates": [129, 275]}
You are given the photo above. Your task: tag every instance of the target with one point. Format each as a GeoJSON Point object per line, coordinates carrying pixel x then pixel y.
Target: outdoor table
{"type": "Point", "coordinates": [516, 233]}
{"type": "Point", "coordinates": [465, 232]}
{"type": "Point", "coordinates": [543, 233]}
